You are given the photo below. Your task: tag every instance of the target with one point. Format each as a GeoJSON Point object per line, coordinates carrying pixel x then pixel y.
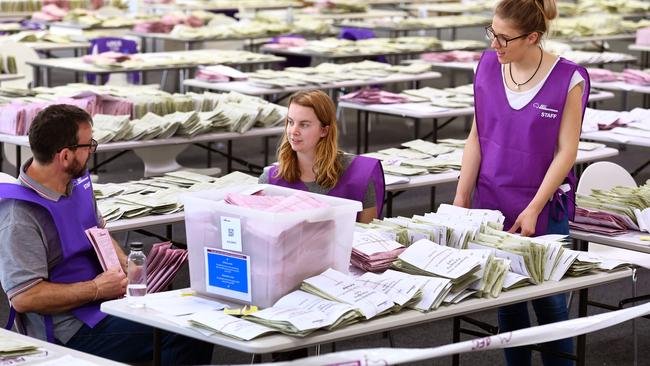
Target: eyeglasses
{"type": "Point", "coordinates": [501, 40]}
{"type": "Point", "coordinates": [92, 146]}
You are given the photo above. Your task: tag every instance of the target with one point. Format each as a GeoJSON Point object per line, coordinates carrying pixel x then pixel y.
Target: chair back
{"type": "Point", "coordinates": [22, 54]}
{"type": "Point", "coordinates": [604, 175]}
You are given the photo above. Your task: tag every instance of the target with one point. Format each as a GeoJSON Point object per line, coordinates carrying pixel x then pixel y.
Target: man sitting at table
{"type": "Point", "coordinates": [48, 267]}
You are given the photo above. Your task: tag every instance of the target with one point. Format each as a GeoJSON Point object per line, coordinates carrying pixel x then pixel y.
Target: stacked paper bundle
{"type": "Point", "coordinates": [326, 73]}
{"type": "Point", "coordinates": [163, 263]}
{"type": "Point", "coordinates": [373, 96]}
{"type": "Point", "coordinates": [630, 76]}
{"type": "Point", "coordinates": [451, 56]}
{"type": "Point", "coordinates": [298, 201]}
{"type": "Point", "coordinates": [614, 211]}
{"type": "Point", "coordinates": [219, 73]}
{"type": "Point", "coordinates": [459, 97]}
{"type": "Point", "coordinates": [300, 313]}
{"type": "Point", "coordinates": [374, 251]}
{"type": "Point", "coordinates": [216, 322]}
{"type": "Point", "coordinates": [159, 195]}
{"type": "Point", "coordinates": [419, 157]}
{"type": "Point", "coordinates": [596, 24]}
{"type": "Point", "coordinates": [13, 351]}
{"type": "Point", "coordinates": [439, 21]}
{"type": "Point", "coordinates": [219, 27]}
{"type": "Point", "coordinates": [336, 286]}
{"type": "Point", "coordinates": [334, 46]}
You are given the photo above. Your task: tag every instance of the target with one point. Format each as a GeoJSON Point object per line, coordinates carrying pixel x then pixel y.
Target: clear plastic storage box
{"type": "Point", "coordinates": [284, 248]}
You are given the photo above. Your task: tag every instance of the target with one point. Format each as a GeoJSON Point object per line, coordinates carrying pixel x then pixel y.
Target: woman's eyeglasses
{"type": "Point", "coordinates": [501, 39]}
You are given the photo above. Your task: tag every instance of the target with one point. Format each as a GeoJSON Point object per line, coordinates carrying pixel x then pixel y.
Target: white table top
{"type": "Point", "coordinates": [133, 145]}
{"type": "Point", "coordinates": [615, 138]}
{"type": "Point", "coordinates": [50, 46]}
{"type": "Point", "coordinates": [8, 77]}
{"type": "Point", "coordinates": [621, 86]}
{"type": "Point", "coordinates": [639, 47]}
{"type": "Point", "coordinates": [423, 110]}
{"type": "Point", "coordinates": [299, 51]}
{"type": "Point", "coordinates": [247, 88]}
{"type": "Point", "coordinates": [77, 64]}
{"type": "Point", "coordinates": [405, 318]}
{"type": "Point", "coordinates": [629, 240]}
{"type": "Point", "coordinates": [55, 351]}
{"type": "Point", "coordinates": [303, 14]}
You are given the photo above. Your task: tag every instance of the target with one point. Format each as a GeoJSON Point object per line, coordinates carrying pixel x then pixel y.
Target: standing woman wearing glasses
{"type": "Point", "coordinates": [522, 146]}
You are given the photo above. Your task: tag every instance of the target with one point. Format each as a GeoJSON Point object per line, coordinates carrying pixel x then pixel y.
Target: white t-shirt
{"type": "Point", "coordinates": [518, 100]}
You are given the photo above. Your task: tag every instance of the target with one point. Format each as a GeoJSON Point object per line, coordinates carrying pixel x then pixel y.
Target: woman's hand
{"type": "Point", "coordinates": [526, 221]}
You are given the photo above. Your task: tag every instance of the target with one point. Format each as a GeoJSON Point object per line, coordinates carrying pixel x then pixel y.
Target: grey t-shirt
{"type": "Point", "coordinates": [369, 199]}
{"type": "Point", "coordinates": [29, 249]}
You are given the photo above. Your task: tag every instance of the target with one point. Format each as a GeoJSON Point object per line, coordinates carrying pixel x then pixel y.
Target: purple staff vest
{"type": "Point", "coordinates": [352, 184]}
{"type": "Point", "coordinates": [518, 146]}
{"type": "Point", "coordinates": [72, 215]}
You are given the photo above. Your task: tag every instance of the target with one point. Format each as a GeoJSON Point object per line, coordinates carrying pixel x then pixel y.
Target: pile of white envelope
{"type": "Point", "coordinates": [419, 157]}
{"type": "Point", "coordinates": [159, 195]}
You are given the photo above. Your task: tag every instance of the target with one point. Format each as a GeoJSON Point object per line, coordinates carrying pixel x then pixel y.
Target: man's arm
{"type": "Point", "coordinates": [51, 298]}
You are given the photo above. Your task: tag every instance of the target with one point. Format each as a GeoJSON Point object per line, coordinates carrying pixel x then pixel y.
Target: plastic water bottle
{"type": "Point", "coordinates": [137, 276]}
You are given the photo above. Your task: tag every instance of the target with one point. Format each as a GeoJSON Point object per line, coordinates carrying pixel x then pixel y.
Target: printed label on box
{"type": "Point", "coordinates": [231, 234]}
{"type": "Point", "coordinates": [228, 274]}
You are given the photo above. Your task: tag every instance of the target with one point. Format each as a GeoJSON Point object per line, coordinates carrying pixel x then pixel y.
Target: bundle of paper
{"type": "Point", "coordinates": [11, 347]}
{"type": "Point", "coordinates": [526, 257]}
{"type": "Point", "coordinates": [161, 202]}
{"type": "Point", "coordinates": [491, 275]}
{"type": "Point", "coordinates": [514, 280]}
{"type": "Point", "coordinates": [402, 170]}
{"type": "Point", "coordinates": [336, 286]}
{"type": "Point", "coordinates": [427, 258]}
{"type": "Point", "coordinates": [293, 321]}
{"type": "Point", "coordinates": [456, 143]}
{"type": "Point", "coordinates": [102, 242]}
{"type": "Point", "coordinates": [107, 190]}
{"type": "Point", "coordinates": [433, 290]}
{"type": "Point", "coordinates": [163, 263]}
{"type": "Point", "coordinates": [219, 323]}
{"type": "Point", "coordinates": [337, 314]}
{"type": "Point", "coordinates": [373, 96]}
{"type": "Point", "coordinates": [458, 294]}
{"type": "Point", "coordinates": [598, 221]}
{"type": "Point", "coordinates": [404, 291]}
{"type": "Point", "coordinates": [421, 229]}
{"type": "Point", "coordinates": [493, 218]}
{"type": "Point", "coordinates": [388, 230]}
{"type": "Point", "coordinates": [427, 147]}
{"type": "Point", "coordinates": [298, 201]}
{"type": "Point", "coordinates": [373, 251]}
{"type": "Point", "coordinates": [110, 128]}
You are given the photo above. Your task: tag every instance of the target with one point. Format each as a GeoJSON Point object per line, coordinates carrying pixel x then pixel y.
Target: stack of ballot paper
{"type": "Point", "coordinates": [300, 313]}
{"type": "Point", "coordinates": [336, 286]}
{"type": "Point", "coordinates": [216, 322]}
{"type": "Point", "coordinates": [296, 202]}
{"type": "Point", "coordinates": [403, 291]}
{"type": "Point", "coordinates": [433, 290]}
{"type": "Point", "coordinates": [13, 348]}
{"type": "Point", "coordinates": [163, 263]}
{"type": "Point", "coordinates": [374, 251]}
{"type": "Point", "coordinates": [158, 195]}
{"type": "Point", "coordinates": [427, 258]}
{"type": "Point", "coordinates": [612, 211]}
{"type": "Point", "coordinates": [419, 157]}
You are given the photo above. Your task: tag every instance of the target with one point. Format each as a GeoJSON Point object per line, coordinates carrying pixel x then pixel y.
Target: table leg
{"type": "Point", "coordinates": [389, 204]}
{"type": "Point", "coordinates": [455, 338]}
{"type": "Point", "coordinates": [209, 157]}
{"type": "Point", "coordinates": [157, 349]}
{"type": "Point", "coordinates": [582, 339]}
{"type": "Point", "coordinates": [266, 150]}
{"type": "Point", "coordinates": [169, 232]}
{"type": "Point", "coordinates": [416, 127]}
{"type": "Point", "coordinates": [358, 131]}
{"type": "Point", "coordinates": [229, 162]}
{"type": "Point", "coordinates": [18, 160]}
{"type": "Point", "coordinates": [634, 331]}
{"type": "Point", "coordinates": [433, 198]}
{"type": "Point", "coordinates": [366, 117]}
{"type": "Point", "coordinates": [434, 134]}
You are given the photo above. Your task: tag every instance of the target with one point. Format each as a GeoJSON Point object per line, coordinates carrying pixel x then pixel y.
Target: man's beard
{"type": "Point", "coordinates": [77, 170]}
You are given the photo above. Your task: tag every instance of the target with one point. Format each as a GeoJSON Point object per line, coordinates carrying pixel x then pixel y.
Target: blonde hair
{"type": "Point", "coordinates": [327, 166]}
{"type": "Point", "coordinates": [529, 16]}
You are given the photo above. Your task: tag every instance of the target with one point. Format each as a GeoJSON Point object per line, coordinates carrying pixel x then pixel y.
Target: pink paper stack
{"type": "Point", "coordinates": [602, 75]}
{"type": "Point", "coordinates": [298, 201]}
{"type": "Point", "coordinates": [643, 36]}
{"type": "Point", "coordinates": [637, 77]}
{"type": "Point", "coordinates": [50, 13]}
{"type": "Point", "coordinates": [163, 264]}
{"type": "Point", "coordinates": [373, 96]}
{"type": "Point", "coordinates": [373, 252]}
{"type": "Point", "coordinates": [600, 222]}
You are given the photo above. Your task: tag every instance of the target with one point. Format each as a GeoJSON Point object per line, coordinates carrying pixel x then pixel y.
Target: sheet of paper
{"type": "Point", "coordinates": [182, 305]}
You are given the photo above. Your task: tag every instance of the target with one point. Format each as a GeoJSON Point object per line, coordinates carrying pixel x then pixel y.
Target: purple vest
{"type": "Point", "coordinates": [71, 215]}
{"type": "Point", "coordinates": [352, 184]}
{"type": "Point", "coordinates": [518, 146]}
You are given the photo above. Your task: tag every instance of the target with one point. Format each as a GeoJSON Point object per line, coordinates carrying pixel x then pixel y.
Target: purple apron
{"type": "Point", "coordinates": [72, 215]}
{"type": "Point", "coordinates": [352, 185]}
{"type": "Point", "coordinates": [518, 146]}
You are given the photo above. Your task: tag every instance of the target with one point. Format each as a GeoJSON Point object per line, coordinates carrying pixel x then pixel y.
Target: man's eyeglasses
{"type": "Point", "coordinates": [92, 146]}
{"type": "Point", "coordinates": [501, 39]}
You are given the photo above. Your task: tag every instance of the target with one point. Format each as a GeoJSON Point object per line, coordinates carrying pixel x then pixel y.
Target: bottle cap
{"type": "Point", "coordinates": [136, 245]}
